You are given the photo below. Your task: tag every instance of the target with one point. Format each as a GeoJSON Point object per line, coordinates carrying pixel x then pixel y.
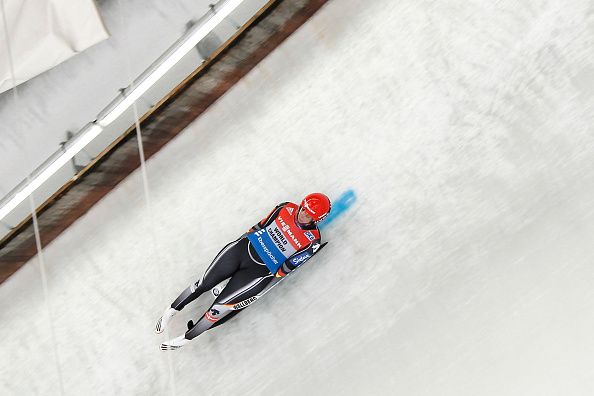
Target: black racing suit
{"type": "Point", "coordinates": [248, 273]}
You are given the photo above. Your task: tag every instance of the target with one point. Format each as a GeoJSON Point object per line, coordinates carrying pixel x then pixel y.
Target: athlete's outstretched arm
{"type": "Point", "coordinates": [298, 258]}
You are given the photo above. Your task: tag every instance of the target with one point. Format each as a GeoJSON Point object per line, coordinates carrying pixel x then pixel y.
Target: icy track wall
{"type": "Point", "coordinates": [463, 268]}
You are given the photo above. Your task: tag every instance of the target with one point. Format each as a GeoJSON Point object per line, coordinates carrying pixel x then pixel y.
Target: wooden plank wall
{"type": "Point", "coordinates": [273, 24]}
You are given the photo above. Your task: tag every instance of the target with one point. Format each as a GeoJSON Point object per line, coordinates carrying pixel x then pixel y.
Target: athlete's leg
{"type": "Point", "coordinates": [225, 264]}
{"type": "Point", "coordinates": [245, 283]}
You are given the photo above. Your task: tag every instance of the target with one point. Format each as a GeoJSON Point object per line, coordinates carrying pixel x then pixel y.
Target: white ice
{"type": "Point", "coordinates": [464, 268]}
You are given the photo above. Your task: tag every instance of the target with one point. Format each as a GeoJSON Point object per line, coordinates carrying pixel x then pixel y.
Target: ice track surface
{"type": "Point", "coordinates": [463, 268]}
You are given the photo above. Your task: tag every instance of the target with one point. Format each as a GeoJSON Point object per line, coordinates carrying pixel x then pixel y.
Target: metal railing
{"type": "Point", "coordinates": [187, 54]}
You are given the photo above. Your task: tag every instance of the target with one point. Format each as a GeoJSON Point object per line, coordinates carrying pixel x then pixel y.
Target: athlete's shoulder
{"type": "Point", "coordinates": [279, 208]}
{"type": "Point", "coordinates": [290, 206]}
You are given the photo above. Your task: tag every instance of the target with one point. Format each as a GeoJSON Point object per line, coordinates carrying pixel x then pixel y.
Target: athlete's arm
{"type": "Point", "coordinates": [298, 258]}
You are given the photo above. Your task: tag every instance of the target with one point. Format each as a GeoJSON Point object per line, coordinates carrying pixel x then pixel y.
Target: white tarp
{"type": "Point", "coordinates": [44, 33]}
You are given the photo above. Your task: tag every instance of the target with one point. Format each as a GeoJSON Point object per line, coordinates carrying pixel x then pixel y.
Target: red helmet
{"type": "Point", "coordinates": [317, 206]}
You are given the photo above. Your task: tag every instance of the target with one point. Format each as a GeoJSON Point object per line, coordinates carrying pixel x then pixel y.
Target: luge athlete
{"type": "Point", "coordinates": [256, 261]}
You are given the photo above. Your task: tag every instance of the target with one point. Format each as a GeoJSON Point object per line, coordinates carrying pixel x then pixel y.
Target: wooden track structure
{"type": "Point", "coordinates": [274, 23]}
